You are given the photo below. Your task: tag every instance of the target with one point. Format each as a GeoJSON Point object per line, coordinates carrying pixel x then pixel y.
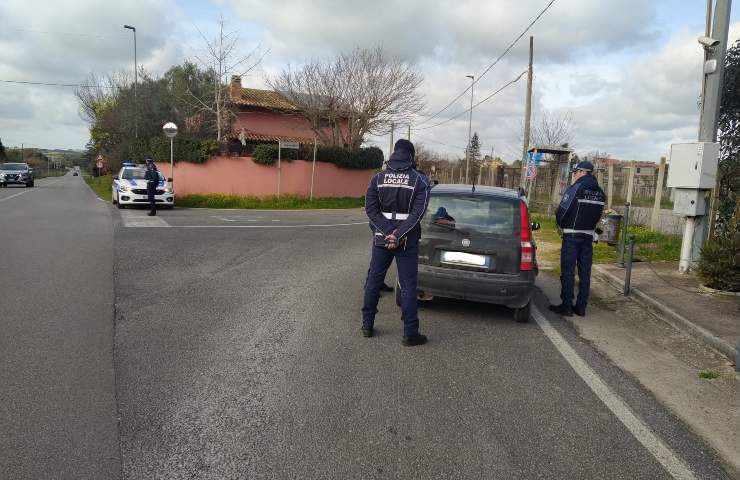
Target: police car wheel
{"type": "Point", "coordinates": [397, 292]}
{"type": "Point", "coordinates": [120, 205]}
{"type": "Point", "coordinates": [521, 315]}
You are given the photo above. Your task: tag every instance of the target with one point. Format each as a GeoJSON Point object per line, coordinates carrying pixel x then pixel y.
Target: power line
{"type": "Point", "coordinates": [72, 34]}
{"type": "Point", "coordinates": [505, 52]}
{"type": "Point", "coordinates": [23, 82]}
{"type": "Point", "coordinates": [440, 143]}
{"type": "Point", "coordinates": [506, 85]}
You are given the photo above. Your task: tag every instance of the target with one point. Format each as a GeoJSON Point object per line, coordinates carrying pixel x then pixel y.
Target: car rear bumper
{"type": "Point", "coordinates": [511, 290]}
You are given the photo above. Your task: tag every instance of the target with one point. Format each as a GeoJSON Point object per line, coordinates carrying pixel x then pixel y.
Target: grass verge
{"type": "Point", "coordinates": [287, 202]}
{"type": "Point", "coordinates": [100, 185]}
{"type": "Point", "coordinates": [649, 246]}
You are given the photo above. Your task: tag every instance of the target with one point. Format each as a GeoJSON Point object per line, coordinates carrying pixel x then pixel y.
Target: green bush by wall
{"type": "Point", "coordinates": [361, 159]}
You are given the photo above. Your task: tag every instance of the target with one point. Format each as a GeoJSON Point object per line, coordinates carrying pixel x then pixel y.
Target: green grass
{"type": "Point", "coordinates": [709, 375]}
{"type": "Point", "coordinates": [100, 185]}
{"type": "Point", "coordinates": [649, 246]}
{"type": "Point", "coordinates": [286, 202]}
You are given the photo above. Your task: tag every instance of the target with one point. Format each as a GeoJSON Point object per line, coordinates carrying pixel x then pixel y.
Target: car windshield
{"type": "Point", "coordinates": [137, 174]}
{"type": "Point", "coordinates": [13, 166]}
{"type": "Point", "coordinates": [479, 213]}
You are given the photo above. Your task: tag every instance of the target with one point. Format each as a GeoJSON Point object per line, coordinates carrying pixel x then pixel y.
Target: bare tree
{"type": "Point", "coordinates": [221, 57]}
{"type": "Point", "coordinates": [552, 129]}
{"type": "Point", "coordinates": [352, 95]}
{"type": "Point", "coordinates": [96, 89]}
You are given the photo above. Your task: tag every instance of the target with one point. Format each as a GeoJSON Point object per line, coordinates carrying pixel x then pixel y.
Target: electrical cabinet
{"type": "Point", "coordinates": [690, 202]}
{"type": "Point", "coordinates": [693, 165]}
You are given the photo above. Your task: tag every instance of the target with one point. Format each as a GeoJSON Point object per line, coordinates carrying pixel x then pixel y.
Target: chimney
{"type": "Point", "coordinates": [235, 89]}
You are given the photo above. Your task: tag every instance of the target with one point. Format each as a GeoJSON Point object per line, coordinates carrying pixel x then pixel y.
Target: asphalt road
{"type": "Point", "coordinates": [238, 355]}
{"type": "Point", "coordinates": [57, 406]}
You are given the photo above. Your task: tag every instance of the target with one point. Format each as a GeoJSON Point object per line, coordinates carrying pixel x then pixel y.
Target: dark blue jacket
{"type": "Point", "coordinates": [581, 207]}
{"type": "Point", "coordinates": [151, 176]}
{"type": "Point", "coordinates": [397, 198]}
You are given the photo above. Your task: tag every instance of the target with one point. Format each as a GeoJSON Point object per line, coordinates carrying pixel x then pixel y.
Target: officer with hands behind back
{"type": "Point", "coordinates": [578, 214]}
{"type": "Point", "coordinates": [395, 203]}
{"type": "Point", "coordinates": [152, 181]}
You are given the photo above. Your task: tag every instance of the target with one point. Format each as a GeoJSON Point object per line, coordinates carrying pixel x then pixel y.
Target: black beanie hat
{"type": "Point", "coordinates": [403, 145]}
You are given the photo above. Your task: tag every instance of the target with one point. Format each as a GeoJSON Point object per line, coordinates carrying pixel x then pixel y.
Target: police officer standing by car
{"type": "Point", "coordinates": [152, 181]}
{"type": "Point", "coordinates": [578, 214]}
{"type": "Point", "coordinates": [395, 203]}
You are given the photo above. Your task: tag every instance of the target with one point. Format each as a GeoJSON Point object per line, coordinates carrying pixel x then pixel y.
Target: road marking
{"type": "Point", "coordinates": [27, 190]}
{"type": "Point", "coordinates": [673, 465]}
{"type": "Point", "coordinates": [133, 219]}
{"type": "Point", "coordinates": [223, 219]}
{"type": "Point", "coordinates": [269, 226]}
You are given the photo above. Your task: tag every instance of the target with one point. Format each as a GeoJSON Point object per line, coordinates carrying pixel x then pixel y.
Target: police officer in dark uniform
{"type": "Point", "coordinates": [577, 216]}
{"type": "Point", "coordinates": [395, 203]}
{"type": "Point", "coordinates": [152, 181]}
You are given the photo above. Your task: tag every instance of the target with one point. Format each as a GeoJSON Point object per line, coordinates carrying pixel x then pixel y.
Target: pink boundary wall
{"type": "Point", "coordinates": [242, 176]}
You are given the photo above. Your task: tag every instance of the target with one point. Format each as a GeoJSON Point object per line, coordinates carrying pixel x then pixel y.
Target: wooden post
{"type": "Point", "coordinates": [631, 182]}
{"type": "Point", "coordinates": [610, 186]}
{"type": "Point", "coordinates": [658, 194]}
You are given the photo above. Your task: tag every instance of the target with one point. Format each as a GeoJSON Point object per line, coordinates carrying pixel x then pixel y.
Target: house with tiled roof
{"type": "Point", "coordinates": [264, 116]}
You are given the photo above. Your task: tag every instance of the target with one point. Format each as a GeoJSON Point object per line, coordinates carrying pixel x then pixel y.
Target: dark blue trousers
{"type": "Point", "coordinates": [407, 263]}
{"type": "Point", "coordinates": [577, 250]}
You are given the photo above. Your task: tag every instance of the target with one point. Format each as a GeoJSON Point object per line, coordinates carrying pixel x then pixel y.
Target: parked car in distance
{"type": "Point", "coordinates": [477, 245]}
{"type": "Point", "coordinates": [129, 188]}
{"type": "Point", "coordinates": [16, 174]}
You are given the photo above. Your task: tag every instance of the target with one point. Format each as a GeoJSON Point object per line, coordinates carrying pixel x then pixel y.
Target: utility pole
{"type": "Point", "coordinates": [393, 128]}
{"type": "Point", "coordinates": [136, 81]}
{"type": "Point", "coordinates": [697, 228]}
{"type": "Point", "coordinates": [470, 127]}
{"type": "Point", "coordinates": [408, 137]}
{"type": "Point", "coordinates": [527, 113]}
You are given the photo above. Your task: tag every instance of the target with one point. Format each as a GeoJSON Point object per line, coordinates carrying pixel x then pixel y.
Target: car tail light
{"type": "Point", "coordinates": [526, 260]}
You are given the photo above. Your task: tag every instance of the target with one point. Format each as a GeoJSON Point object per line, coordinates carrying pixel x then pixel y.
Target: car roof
{"type": "Point", "coordinates": [449, 188]}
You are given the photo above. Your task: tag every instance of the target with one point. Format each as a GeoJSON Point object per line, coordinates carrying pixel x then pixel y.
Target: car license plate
{"type": "Point", "coordinates": [462, 258]}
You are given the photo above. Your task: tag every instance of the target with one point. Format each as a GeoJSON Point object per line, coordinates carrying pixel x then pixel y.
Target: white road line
{"type": "Point", "coordinates": [142, 220]}
{"type": "Point", "coordinates": [670, 461]}
{"type": "Point", "coordinates": [270, 226]}
{"type": "Point", "coordinates": [222, 219]}
{"type": "Point", "coordinates": [27, 190]}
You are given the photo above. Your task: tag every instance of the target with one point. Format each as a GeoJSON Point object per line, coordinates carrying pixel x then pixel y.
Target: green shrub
{"type": "Point", "coordinates": [718, 267]}
{"type": "Point", "coordinates": [362, 158]}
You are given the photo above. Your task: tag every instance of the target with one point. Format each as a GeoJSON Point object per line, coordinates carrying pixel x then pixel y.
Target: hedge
{"type": "Point", "coordinates": [369, 158]}
{"type": "Point", "coordinates": [718, 266]}
{"type": "Point", "coordinates": [185, 149]}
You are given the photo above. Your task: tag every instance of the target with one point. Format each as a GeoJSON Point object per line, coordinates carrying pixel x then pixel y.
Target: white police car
{"type": "Point", "coordinates": [129, 188]}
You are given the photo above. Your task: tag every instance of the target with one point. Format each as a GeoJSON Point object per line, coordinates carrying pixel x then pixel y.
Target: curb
{"type": "Point", "coordinates": [670, 316]}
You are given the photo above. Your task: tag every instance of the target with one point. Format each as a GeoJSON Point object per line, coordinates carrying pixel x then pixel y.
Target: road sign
{"type": "Point", "coordinates": [535, 158]}
{"type": "Point", "coordinates": [99, 164]}
{"type": "Point", "coordinates": [532, 171]}
{"type": "Point", "coordinates": [286, 144]}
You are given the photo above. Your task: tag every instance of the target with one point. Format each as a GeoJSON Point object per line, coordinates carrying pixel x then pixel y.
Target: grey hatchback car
{"type": "Point", "coordinates": [477, 245]}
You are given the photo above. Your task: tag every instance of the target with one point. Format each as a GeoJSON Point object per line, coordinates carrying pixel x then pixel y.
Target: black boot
{"type": "Point", "coordinates": [368, 332]}
{"type": "Point", "coordinates": [152, 213]}
{"type": "Point", "coordinates": [580, 311]}
{"type": "Point", "coordinates": [562, 309]}
{"type": "Point", "coordinates": [414, 340]}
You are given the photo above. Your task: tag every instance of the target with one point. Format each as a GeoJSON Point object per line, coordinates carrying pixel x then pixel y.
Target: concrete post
{"type": "Point", "coordinates": [610, 186]}
{"type": "Point", "coordinates": [631, 182]}
{"type": "Point", "coordinates": [658, 194]}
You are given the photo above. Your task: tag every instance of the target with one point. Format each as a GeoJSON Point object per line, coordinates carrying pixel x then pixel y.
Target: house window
{"type": "Point", "coordinates": [638, 170]}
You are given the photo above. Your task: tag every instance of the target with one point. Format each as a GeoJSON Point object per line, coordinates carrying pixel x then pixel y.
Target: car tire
{"type": "Point", "coordinates": [113, 199]}
{"type": "Point", "coordinates": [120, 205]}
{"type": "Point", "coordinates": [521, 315]}
{"type": "Point", "coordinates": [397, 292]}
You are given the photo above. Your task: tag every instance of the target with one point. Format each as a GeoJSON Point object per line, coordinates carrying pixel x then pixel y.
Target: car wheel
{"type": "Point", "coordinates": [521, 315]}
{"type": "Point", "coordinates": [397, 292]}
{"type": "Point", "coordinates": [120, 205]}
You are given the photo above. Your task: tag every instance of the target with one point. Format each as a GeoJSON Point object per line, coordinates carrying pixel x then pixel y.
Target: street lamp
{"type": "Point", "coordinates": [470, 127]}
{"type": "Point", "coordinates": [170, 129]}
{"type": "Point", "coordinates": [136, 80]}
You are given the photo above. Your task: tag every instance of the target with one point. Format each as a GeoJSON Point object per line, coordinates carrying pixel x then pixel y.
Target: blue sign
{"type": "Point", "coordinates": [535, 159]}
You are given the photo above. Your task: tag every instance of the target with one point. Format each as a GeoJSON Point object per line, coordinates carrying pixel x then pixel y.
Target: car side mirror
{"type": "Point", "coordinates": [535, 226]}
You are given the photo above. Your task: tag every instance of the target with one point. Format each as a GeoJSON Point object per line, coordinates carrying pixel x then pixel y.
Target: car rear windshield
{"type": "Point", "coordinates": [13, 166]}
{"type": "Point", "coordinates": [479, 213]}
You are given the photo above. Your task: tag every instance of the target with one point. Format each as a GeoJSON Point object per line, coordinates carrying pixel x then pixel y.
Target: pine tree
{"type": "Point", "coordinates": [474, 149]}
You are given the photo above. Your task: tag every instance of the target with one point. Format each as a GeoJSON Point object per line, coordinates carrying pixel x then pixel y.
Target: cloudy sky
{"type": "Point", "coordinates": [628, 72]}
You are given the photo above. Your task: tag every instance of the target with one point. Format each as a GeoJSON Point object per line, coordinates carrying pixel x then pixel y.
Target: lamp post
{"type": "Point", "coordinates": [136, 80]}
{"type": "Point", "coordinates": [170, 129]}
{"type": "Point", "coordinates": [470, 127]}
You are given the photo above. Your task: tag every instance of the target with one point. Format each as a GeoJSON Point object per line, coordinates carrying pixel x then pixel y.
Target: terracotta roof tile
{"type": "Point", "coordinates": [253, 97]}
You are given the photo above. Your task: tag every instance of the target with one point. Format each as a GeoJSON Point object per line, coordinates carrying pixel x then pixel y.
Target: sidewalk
{"type": "Point", "coordinates": [681, 300]}
{"type": "Point", "coordinates": [668, 362]}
